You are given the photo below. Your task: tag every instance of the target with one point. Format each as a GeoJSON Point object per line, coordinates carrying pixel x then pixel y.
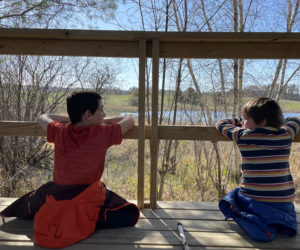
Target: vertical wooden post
{"type": "Point", "coordinates": [141, 139]}
{"type": "Point", "coordinates": [154, 128]}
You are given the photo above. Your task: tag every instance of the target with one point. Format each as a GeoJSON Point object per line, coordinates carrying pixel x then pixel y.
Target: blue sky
{"type": "Point", "coordinates": [268, 15]}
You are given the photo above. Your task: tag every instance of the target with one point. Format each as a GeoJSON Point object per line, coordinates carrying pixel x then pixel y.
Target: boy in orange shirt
{"type": "Point", "coordinates": [81, 141]}
{"type": "Point", "coordinates": [80, 146]}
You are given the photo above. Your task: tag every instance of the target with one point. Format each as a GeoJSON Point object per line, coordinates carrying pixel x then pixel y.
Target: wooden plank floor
{"type": "Point", "coordinates": [204, 226]}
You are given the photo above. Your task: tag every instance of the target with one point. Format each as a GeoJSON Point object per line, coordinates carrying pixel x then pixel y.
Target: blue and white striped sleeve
{"type": "Point", "coordinates": [292, 124]}
{"type": "Point", "coordinates": [230, 128]}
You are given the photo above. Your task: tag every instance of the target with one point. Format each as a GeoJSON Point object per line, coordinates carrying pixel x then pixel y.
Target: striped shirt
{"type": "Point", "coordinates": [265, 154]}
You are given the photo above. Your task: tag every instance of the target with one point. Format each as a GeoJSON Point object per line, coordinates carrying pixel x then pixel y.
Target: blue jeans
{"type": "Point", "coordinates": [261, 220]}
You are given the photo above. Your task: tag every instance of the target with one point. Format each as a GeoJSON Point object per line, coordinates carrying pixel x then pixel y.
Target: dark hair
{"type": "Point", "coordinates": [264, 108]}
{"type": "Point", "coordinates": [79, 102]}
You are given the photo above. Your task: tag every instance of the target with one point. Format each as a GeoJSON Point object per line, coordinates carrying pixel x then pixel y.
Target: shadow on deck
{"type": "Point", "coordinates": [203, 223]}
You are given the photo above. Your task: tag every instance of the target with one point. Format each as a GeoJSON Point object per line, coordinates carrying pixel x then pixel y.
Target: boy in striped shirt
{"type": "Point", "coordinates": [263, 204]}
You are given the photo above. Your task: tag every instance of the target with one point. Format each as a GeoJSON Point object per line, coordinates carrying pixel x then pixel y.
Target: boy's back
{"type": "Point", "coordinates": [81, 140]}
{"type": "Point", "coordinates": [265, 159]}
{"type": "Point", "coordinates": [76, 203]}
{"type": "Point", "coordinates": [80, 151]}
{"type": "Point", "coordinates": [262, 205]}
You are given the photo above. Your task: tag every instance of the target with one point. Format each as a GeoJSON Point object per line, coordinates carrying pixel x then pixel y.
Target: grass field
{"type": "Point", "coordinates": [290, 106]}
{"type": "Point", "coordinates": [116, 100]}
{"type": "Point", "coordinates": [115, 104]}
{"type": "Point", "coordinates": [121, 103]}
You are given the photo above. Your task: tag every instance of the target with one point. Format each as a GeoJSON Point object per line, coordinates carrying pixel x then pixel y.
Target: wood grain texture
{"type": "Point", "coordinates": [205, 228]}
{"type": "Point", "coordinates": [22, 128]}
{"type": "Point", "coordinates": [141, 127]}
{"type": "Point", "coordinates": [101, 43]}
{"type": "Point", "coordinates": [154, 141]}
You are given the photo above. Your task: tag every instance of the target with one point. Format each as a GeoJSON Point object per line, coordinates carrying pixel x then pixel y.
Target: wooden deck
{"type": "Point", "coordinates": [204, 226]}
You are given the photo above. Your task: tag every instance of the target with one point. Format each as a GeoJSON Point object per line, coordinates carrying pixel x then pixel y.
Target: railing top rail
{"type": "Point", "coordinates": [108, 43]}
{"type": "Point", "coordinates": [112, 35]}
{"type": "Point", "coordinates": [203, 133]}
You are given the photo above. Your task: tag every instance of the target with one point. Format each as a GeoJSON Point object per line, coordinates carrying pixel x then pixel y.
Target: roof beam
{"type": "Point", "coordinates": [209, 45]}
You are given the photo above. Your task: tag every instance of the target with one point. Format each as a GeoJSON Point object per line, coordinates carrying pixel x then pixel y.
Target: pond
{"type": "Point", "coordinates": [195, 116]}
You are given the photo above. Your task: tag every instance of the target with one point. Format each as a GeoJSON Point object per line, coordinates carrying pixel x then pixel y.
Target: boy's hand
{"type": "Point", "coordinates": [126, 124]}
{"type": "Point", "coordinates": [45, 119]}
{"type": "Point", "coordinates": [238, 121]}
{"type": "Point", "coordinates": [111, 120]}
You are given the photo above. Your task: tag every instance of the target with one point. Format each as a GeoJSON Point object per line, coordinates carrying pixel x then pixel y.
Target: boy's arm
{"type": "Point", "coordinates": [292, 124]}
{"type": "Point", "coordinates": [45, 119]}
{"type": "Point", "coordinates": [126, 124]}
{"type": "Point", "coordinates": [111, 120]}
{"type": "Point", "coordinates": [230, 128]}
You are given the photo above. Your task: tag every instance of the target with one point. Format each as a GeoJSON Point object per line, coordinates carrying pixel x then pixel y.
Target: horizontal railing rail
{"type": "Point", "coordinates": [202, 133]}
{"type": "Point", "coordinates": [101, 43]}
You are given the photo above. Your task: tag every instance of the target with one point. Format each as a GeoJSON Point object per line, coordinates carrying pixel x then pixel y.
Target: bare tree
{"type": "Point", "coordinates": [50, 13]}
{"type": "Point", "coordinates": [98, 75]}
{"type": "Point", "coordinates": [292, 12]}
{"type": "Point", "coordinates": [30, 86]}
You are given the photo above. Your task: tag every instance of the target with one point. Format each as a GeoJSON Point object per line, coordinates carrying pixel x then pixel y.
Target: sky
{"type": "Point", "coordinates": [128, 67]}
{"type": "Point", "coordinates": [268, 15]}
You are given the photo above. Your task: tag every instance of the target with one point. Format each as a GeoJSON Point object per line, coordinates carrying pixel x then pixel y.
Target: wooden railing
{"type": "Point", "coordinates": [142, 45]}
{"type": "Point", "coordinates": [13, 128]}
{"type": "Point", "coordinates": [201, 133]}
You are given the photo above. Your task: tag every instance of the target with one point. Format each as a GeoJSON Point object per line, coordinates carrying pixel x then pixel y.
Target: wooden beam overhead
{"type": "Point", "coordinates": [56, 47]}
{"type": "Point", "coordinates": [230, 50]}
{"type": "Point", "coordinates": [112, 35]}
{"type": "Point", "coordinates": [98, 43]}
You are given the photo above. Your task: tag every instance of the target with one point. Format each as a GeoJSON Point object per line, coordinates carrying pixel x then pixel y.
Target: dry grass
{"type": "Point", "coordinates": [295, 169]}
{"type": "Point", "coordinates": [190, 181]}
{"type": "Point", "coordinates": [193, 179]}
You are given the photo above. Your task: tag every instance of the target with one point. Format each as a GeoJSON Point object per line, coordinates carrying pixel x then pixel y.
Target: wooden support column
{"type": "Point", "coordinates": [154, 128]}
{"type": "Point", "coordinates": [141, 138]}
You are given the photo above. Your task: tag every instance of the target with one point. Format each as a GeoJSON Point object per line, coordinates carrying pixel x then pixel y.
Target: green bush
{"type": "Point", "coordinates": [134, 101]}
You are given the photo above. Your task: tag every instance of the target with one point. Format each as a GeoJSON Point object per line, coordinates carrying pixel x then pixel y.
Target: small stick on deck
{"type": "Point", "coordinates": [182, 236]}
